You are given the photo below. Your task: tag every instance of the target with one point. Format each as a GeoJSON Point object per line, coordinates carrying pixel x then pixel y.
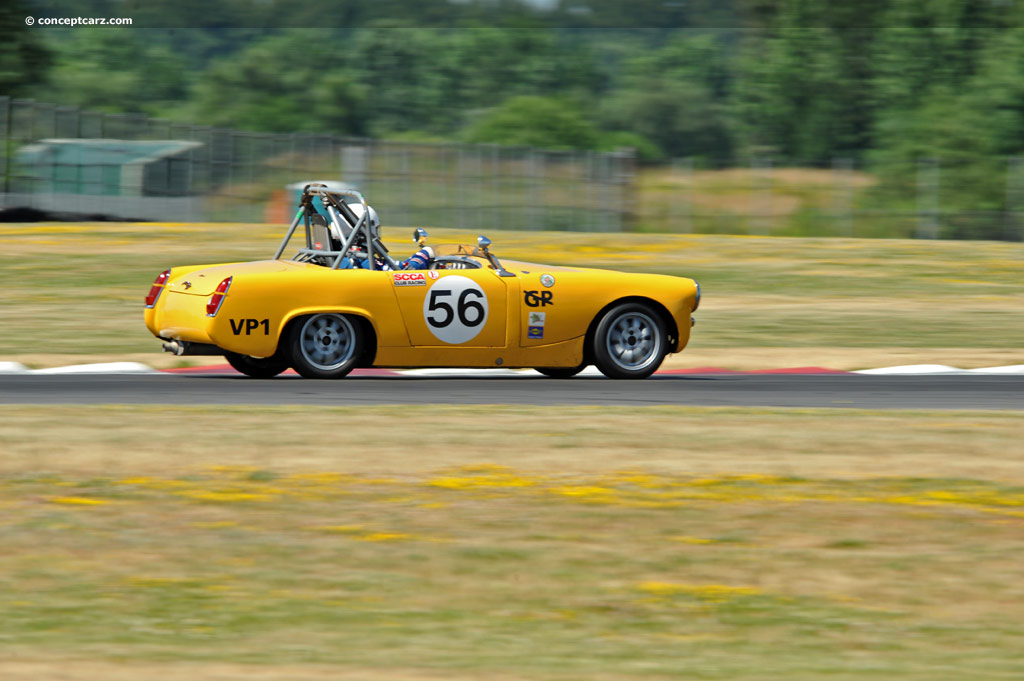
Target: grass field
{"type": "Point", "coordinates": [724, 544]}
{"type": "Point", "coordinates": [76, 290]}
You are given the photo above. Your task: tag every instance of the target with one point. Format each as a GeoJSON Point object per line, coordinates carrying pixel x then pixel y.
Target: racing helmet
{"type": "Point", "coordinates": [374, 220]}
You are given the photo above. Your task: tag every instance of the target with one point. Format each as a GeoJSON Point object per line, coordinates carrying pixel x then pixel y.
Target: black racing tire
{"type": "Point", "coordinates": [630, 341]}
{"type": "Point", "coordinates": [326, 345]}
{"type": "Point", "coordinates": [560, 372]}
{"type": "Point", "coordinates": [256, 367]}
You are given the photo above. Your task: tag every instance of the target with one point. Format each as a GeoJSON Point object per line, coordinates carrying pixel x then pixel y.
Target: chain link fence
{"type": "Point", "coordinates": [63, 159]}
{"type": "Point", "coordinates": [66, 160]}
{"type": "Point", "coordinates": [927, 198]}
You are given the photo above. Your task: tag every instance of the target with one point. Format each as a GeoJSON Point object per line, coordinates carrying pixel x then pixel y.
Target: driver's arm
{"type": "Point", "coordinates": [419, 260]}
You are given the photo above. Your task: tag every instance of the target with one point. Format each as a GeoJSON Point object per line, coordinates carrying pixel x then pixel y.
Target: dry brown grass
{"type": "Point", "coordinates": [819, 443]}
{"type": "Point", "coordinates": [776, 192]}
{"type": "Point", "coordinates": [503, 543]}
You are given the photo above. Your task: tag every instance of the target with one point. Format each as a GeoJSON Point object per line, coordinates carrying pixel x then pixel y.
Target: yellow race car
{"type": "Point", "coordinates": [341, 301]}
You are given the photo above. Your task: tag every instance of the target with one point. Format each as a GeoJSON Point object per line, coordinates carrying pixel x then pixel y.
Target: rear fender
{"type": "Point", "coordinates": [325, 309]}
{"type": "Point", "coordinates": [362, 314]}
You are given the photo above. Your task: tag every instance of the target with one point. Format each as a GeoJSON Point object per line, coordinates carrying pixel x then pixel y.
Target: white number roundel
{"type": "Point", "coordinates": [455, 309]}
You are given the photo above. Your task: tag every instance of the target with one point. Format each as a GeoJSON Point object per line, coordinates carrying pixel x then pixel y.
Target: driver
{"type": "Point", "coordinates": [418, 260]}
{"type": "Point", "coordinates": [359, 247]}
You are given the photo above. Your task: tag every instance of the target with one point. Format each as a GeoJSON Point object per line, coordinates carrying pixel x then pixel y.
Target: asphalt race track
{"type": "Point", "coordinates": [736, 390]}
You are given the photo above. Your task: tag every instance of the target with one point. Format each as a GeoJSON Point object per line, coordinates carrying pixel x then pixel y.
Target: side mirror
{"type": "Point", "coordinates": [482, 244]}
{"type": "Point", "coordinates": [419, 236]}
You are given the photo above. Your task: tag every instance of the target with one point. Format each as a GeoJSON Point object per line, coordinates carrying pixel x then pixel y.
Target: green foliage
{"type": "Point", "coordinates": [535, 122]}
{"type": "Point", "coordinates": [803, 87]}
{"type": "Point", "coordinates": [971, 124]}
{"type": "Point", "coordinates": [280, 84]}
{"type": "Point", "coordinates": [115, 70]}
{"type": "Point", "coordinates": [429, 79]}
{"type": "Point", "coordinates": [24, 59]}
{"type": "Point", "coordinates": [676, 97]}
{"type": "Point", "coordinates": [384, 81]}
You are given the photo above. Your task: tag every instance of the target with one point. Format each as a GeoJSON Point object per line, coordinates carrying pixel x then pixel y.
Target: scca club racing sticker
{"type": "Point", "coordinates": [455, 309]}
{"type": "Point", "coordinates": [410, 279]}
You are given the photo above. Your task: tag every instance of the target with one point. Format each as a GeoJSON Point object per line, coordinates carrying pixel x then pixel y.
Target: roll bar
{"type": "Point", "coordinates": [343, 221]}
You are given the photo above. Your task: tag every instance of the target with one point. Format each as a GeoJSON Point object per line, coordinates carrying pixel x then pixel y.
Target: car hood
{"type": "Point", "coordinates": [203, 280]}
{"type": "Point", "coordinates": [520, 265]}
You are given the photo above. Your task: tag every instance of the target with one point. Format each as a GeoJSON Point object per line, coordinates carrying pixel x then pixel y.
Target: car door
{"type": "Point", "coordinates": [465, 308]}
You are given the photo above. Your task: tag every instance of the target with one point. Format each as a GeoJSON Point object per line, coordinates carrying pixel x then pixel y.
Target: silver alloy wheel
{"type": "Point", "coordinates": [327, 341]}
{"type": "Point", "coordinates": [633, 341]}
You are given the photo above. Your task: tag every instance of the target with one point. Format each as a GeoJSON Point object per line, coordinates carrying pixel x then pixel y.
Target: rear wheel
{"type": "Point", "coordinates": [325, 345]}
{"type": "Point", "coordinates": [256, 367]}
{"type": "Point", "coordinates": [629, 341]}
{"type": "Point", "coordinates": [560, 372]}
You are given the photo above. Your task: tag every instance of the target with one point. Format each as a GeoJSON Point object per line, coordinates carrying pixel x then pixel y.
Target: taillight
{"type": "Point", "coordinates": [217, 299]}
{"type": "Point", "coordinates": [158, 286]}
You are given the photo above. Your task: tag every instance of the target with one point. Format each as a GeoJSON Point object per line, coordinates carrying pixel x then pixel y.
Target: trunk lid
{"type": "Point", "coordinates": [204, 281]}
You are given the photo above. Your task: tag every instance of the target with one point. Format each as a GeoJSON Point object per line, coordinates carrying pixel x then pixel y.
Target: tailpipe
{"type": "Point", "coordinates": [188, 348]}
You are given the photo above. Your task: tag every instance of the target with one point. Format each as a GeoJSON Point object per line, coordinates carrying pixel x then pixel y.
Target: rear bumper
{"type": "Point", "coordinates": [181, 317]}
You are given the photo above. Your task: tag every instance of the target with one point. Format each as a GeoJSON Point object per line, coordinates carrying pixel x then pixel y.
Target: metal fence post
{"type": "Point", "coordinates": [1014, 196]}
{"type": "Point", "coordinates": [8, 144]}
{"type": "Point", "coordinates": [927, 198]}
{"type": "Point", "coordinates": [496, 184]}
{"type": "Point", "coordinates": [460, 191]}
{"type": "Point", "coordinates": [681, 207]}
{"type": "Point", "coordinates": [445, 203]}
{"type": "Point", "coordinates": [538, 190]}
{"type": "Point", "coordinates": [190, 178]}
{"type": "Point", "coordinates": [842, 195]}
{"type": "Point", "coordinates": [406, 186]}
{"type": "Point", "coordinates": [761, 196]}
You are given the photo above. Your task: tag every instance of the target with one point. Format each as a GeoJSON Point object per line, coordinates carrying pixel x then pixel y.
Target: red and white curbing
{"type": "Point", "coordinates": [104, 368]}
{"type": "Point", "coordinates": [941, 369]}
{"type": "Point", "coordinates": [138, 368]}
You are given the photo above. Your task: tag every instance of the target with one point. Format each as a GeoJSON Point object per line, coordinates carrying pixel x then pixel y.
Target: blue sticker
{"type": "Point", "coordinates": [535, 332]}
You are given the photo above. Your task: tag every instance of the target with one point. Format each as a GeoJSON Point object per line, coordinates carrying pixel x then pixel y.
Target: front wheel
{"type": "Point", "coordinates": [630, 341]}
{"type": "Point", "coordinates": [325, 345]}
{"type": "Point", "coordinates": [256, 367]}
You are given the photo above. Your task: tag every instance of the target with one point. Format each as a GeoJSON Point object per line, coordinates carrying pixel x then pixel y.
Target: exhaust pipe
{"type": "Point", "coordinates": [180, 348]}
{"type": "Point", "coordinates": [174, 347]}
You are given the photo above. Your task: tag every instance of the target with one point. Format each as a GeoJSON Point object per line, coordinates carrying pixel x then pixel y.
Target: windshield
{"type": "Point", "coordinates": [454, 249]}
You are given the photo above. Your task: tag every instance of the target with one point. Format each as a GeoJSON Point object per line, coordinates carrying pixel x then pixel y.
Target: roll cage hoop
{"type": "Point", "coordinates": [343, 221]}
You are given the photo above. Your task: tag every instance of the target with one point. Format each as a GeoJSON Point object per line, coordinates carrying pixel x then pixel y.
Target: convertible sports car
{"type": "Point", "coordinates": [342, 302]}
